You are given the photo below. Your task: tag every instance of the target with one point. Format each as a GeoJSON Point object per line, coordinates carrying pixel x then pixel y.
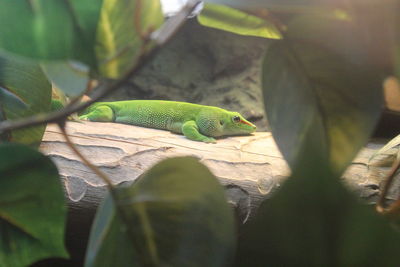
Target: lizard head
{"type": "Point", "coordinates": [235, 124]}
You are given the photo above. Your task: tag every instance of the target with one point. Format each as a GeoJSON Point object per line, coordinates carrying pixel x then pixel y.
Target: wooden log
{"type": "Point", "coordinates": [251, 167]}
{"type": "Point", "coordinates": [124, 152]}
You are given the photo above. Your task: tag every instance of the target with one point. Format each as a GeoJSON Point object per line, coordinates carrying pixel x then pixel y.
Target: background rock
{"type": "Point", "coordinates": [205, 66]}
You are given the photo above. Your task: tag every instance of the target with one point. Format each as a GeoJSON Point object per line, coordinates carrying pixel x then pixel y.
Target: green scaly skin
{"type": "Point", "coordinates": [196, 122]}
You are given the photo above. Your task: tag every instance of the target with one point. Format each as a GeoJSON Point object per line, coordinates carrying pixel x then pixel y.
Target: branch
{"type": "Point", "coordinates": [380, 206]}
{"type": "Point", "coordinates": [118, 204]}
{"type": "Point", "coordinates": [96, 170]}
{"type": "Point", "coordinates": [159, 39]}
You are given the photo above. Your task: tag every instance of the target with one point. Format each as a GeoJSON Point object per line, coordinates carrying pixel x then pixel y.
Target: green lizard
{"type": "Point", "coordinates": [196, 122]}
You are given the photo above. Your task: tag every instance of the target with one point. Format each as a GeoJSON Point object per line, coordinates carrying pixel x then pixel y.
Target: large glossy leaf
{"type": "Point", "coordinates": [44, 29]}
{"type": "Point", "coordinates": [110, 244]}
{"type": "Point", "coordinates": [236, 21]}
{"type": "Point", "coordinates": [121, 25]}
{"type": "Point", "coordinates": [323, 96]}
{"type": "Point", "coordinates": [314, 221]}
{"type": "Point", "coordinates": [70, 77]}
{"type": "Point", "coordinates": [32, 208]}
{"type": "Point", "coordinates": [178, 216]}
{"type": "Point", "coordinates": [24, 91]}
{"type": "Point", "coordinates": [322, 92]}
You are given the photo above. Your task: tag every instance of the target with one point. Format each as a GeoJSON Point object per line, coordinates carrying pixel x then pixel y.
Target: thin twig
{"type": "Point", "coordinates": [113, 192]}
{"type": "Point", "coordinates": [380, 206]}
{"type": "Point", "coordinates": [393, 209]}
{"type": "Point", "coordinates": [159, 39]}
{"type": "Point", "coordinates": [96, 170]}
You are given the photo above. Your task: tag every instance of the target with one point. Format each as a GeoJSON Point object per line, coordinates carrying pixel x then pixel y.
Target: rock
{"type": "Point", "coordinates": [205, 66]}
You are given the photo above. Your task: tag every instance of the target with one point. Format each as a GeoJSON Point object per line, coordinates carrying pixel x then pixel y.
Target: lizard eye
{"type": "Point", "coordinates": [221, 123]}
{"type": "Point", "coordinates": [236, 118]}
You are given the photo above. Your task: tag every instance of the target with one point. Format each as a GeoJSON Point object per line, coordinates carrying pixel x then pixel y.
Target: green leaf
{"type": "Point", "coordinates": [32, 208]}
{"type": "Point", "coordinates": [118, 43]}
{"type": "Point", "coordinates": [177, 214]}
{"type": "Point", "coordinates": [70, 77]}
{"type": "Point", "coordinates": [322, 93]}
{"type": "Point", "coordinates": [107, 231]}
{"type": "Point", "coordinates": [56, 104]}
{"type": "Point", "coordinates": [50, 30]}
{"type": "Point", "coordinates": [236, 21]}
{"type": "Point", "coordinates": [24, 91]}
{"type": "Point", "coordinates": [314, 221]}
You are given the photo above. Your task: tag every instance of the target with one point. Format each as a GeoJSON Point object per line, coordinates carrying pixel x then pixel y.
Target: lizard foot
{"type": "Point", "coordinates": [209, 140]}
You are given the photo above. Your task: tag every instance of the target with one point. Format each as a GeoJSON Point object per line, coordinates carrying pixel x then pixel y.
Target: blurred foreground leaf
{"type": "Point", "coordinates": [323, 96]}
{"type": "Point", "coordinates": [32, 208]}
{"type": "Point", "coordinates": [122, 27]}
{"type": "Point", "coordinates": [24, 91]}
{"type": "Point", "coordinates": [70, 77]}
{"type": "Point", "coordinates": [236, 21]}
{"type": "Point", "coordinates": [178, 216]}
{"type": "Point", "coordinates": [50, 30]}
{"type": "Point", "coordinates": [314, 221]}
{"type": "Point", "coordinates": [322, 93]}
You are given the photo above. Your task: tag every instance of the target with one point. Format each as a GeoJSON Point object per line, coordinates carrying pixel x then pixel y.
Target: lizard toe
{"type": "Point", "coordinates": [210, 140]}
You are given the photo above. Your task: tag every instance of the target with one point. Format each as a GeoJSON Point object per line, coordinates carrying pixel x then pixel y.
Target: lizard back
{"type": "Point", "coordinates": [160, 114]}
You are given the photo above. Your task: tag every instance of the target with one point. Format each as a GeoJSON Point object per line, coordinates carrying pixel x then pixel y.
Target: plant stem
{"type": "Point", "coordinates": [380, 206]}
{"type": "Point", "coordinates": [96, 170]}
{"type": "Point", "coordinates": [114, 195]}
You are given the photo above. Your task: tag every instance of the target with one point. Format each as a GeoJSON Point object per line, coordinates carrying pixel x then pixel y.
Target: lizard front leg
{"type": "Point", "coordinates": [191, 131]}
{"type": "Point", "coordinates": [99, 113]}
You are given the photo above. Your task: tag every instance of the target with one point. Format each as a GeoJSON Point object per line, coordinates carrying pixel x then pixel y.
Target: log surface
{"type": "Point", "coordinates": [251, 166]}
{"type": "Point", "coordinates": [252, 163]}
